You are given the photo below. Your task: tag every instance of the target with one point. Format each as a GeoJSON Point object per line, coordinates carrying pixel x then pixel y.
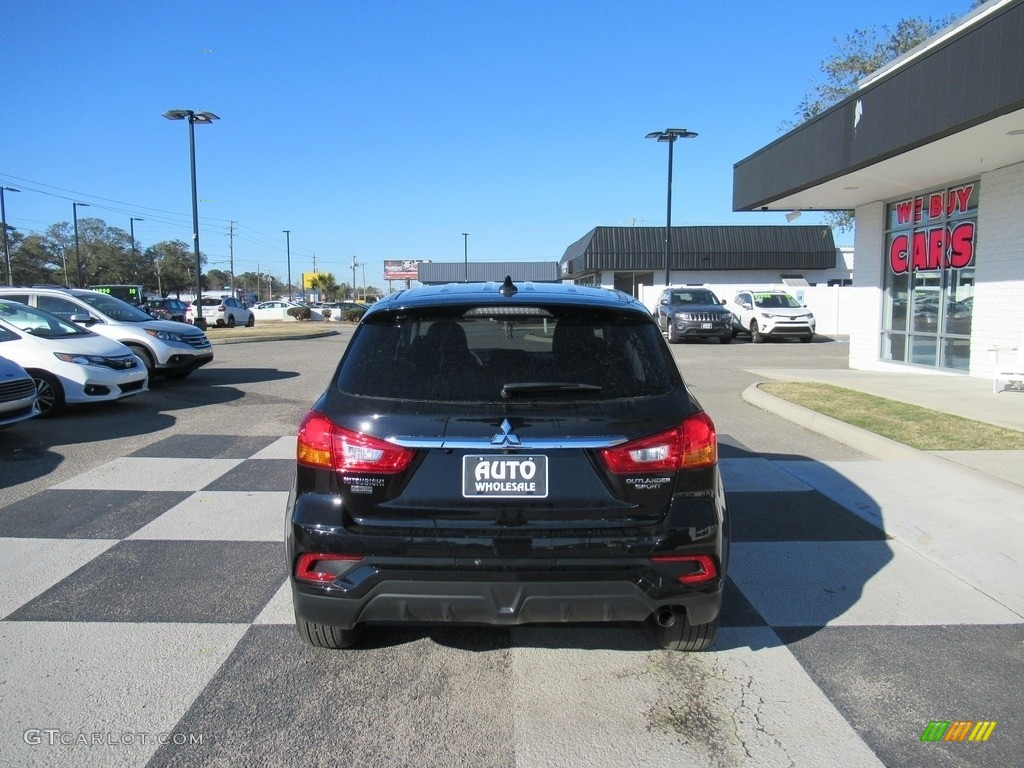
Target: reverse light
{"type": "Point", "coordinates": [691, 445]}
{"type": "Point", "coordinates": [308, 562]}
{"type": "Point", "coordinates": [322, 443]}
{"type": "Point", "coordinates": [698, 568]}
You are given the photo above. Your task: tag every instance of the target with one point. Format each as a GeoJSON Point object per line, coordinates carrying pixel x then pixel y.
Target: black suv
{"type": "Point", "coordinates": [693, 313]}
{"type": "Point", "coordinates": [495, 454]}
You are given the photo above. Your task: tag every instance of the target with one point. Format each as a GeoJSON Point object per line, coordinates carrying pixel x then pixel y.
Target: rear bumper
{"type": "Point", "coordinates": [369, 593]}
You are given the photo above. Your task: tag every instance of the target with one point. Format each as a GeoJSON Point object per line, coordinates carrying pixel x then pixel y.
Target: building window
{"type": "Point", "coordinates": [929, 277]}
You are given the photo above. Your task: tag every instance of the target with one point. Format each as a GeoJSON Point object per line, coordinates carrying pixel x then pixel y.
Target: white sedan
{"type": "Point", "coordinates": [278, 310]}
{"type": "Point", "coordinates": [69, 365]}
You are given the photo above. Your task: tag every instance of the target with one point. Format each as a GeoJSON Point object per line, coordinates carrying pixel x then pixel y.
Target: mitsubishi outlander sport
{"type": "Point", "coordinates": [501, 454]}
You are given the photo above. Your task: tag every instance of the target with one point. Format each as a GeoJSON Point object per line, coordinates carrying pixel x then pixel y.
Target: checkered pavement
{"type": "Point", "coordinates": [146, 619]}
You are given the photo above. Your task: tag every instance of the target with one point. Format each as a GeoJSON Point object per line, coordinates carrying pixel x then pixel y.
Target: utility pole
{"type": "Point", "coordinates": [354, 265]}
{"type": "Point", "coordinates": [231, 251]}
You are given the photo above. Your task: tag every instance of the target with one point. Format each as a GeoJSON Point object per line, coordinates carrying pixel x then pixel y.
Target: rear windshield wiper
{"type": "Point", "coordinates": [544, 387]}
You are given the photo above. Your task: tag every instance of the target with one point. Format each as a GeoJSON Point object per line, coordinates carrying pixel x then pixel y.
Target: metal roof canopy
{"type": "Point", "coordinates": [435, 273]}
{"type": "Point", "coordinates": [776, 247]}
{"type": "Point", "coordinates": [948, 110]}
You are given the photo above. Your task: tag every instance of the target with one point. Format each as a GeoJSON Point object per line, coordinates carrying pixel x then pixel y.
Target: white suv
{"type": "Point", "coordinates": [167, 348]}
{"type": "Point", "coordinates": [770, 313]}
{"type": "Point", "coordinates": [227, 311]}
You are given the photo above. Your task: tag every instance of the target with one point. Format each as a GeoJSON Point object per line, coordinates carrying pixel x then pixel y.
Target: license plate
{"type": "Point", "coordinates": [706, 325]}
{"type": "Point", "coordinates": [504, 477]}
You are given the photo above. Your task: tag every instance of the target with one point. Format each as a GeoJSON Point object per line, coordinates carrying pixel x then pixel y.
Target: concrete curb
{"type": "Point", "coordinates": [289, 337]}
{"type": "Point", "coordinates": [855, 437]}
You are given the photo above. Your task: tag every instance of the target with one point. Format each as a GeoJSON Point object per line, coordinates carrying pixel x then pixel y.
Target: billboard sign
{"type": "Point", "coordinates": [402, 270]}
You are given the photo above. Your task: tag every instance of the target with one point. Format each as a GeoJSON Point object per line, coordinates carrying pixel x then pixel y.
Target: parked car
{"type": "Point", "coordinates": [489, 455]}
{"type": "Point", "coordinates": [770, 314]}
{"type": "Point", "coordinates": [342, 310]}
{"type": "Point", "coordinates": [278, 310]}
{"type": "Point", "coordinates": [692, 313]}
{"type": "Point", "coordinates": [226, 311]}
{"type": "Point", "coordinates": [167, 309]}
{"type": "Point", "coordinates": [167, 349]}
{"type": "Point", "coordinates": [17, 389]}
{"type": "Point", "coordinates": [69, 365]}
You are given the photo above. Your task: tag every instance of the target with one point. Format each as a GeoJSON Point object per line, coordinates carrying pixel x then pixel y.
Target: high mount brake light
{"type": "Point", "coordinates": [691, 445]}
{"type": "Point", "coordinates": [323, 444]}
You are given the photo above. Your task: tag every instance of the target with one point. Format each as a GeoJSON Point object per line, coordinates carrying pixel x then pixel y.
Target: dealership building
{"type": "Point", "coordinates": [929, 154]}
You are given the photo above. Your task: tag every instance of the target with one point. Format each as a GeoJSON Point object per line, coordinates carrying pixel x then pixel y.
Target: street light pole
{"type": "Point", "coordinates": [465, 256]}
{"type": "Point", "coordinates": [78, 254]}
{"type": "Point", "coordinates": [3, 225]}
{"type": "Point", "coordinates": [670, 135]}
{"type": "Point", "coordinates": [203, 118]}
{"type": "Point", "coordinates": [131, 226]}
{"type": "Point", "coordinates": [288, 242]}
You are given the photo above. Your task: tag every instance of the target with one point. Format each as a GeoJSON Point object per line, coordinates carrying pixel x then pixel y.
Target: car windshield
{"type": "Point", "coordinates": [113, 308]}
{"type": "Point", "coordinates": [777, 300]}
{"type": "Point", "coordinates": [38, 323]}
{"type": "Point", "coordinates": [487, 355]}
{"type": "Point", "coordinates": [694, 297]}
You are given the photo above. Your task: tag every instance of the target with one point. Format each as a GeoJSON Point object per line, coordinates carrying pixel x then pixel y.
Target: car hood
{"type": "Point", "coordinates": [697, 308]}
{"type": "Point", "coordinates": [785, 311]}
{"type": "Point", "coordinates": [172, 326]}
{"type": "Point", "coordinates": [37, 351]}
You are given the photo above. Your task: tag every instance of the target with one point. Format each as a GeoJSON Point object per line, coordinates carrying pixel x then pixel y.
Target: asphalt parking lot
{"type": "Point", "coordinates": [145, 619]}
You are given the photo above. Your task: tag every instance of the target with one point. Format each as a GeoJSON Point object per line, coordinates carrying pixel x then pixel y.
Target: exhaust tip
{"type": "Point", "coordinates": [665, 617]}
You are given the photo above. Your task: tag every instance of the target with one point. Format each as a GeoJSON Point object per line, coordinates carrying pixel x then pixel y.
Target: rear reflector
{"type": "Point", "coordinates": [322, 443]}
{"type": "Point", "coordinates": [696, 568]}
{"type": "Point", "coordinates": [306, 567]}
{"type": "Point", "coordinates": [691, 445]}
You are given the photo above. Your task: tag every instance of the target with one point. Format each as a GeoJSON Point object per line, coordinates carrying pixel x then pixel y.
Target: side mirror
{"type": "Point", "coordinates": [82, 318]}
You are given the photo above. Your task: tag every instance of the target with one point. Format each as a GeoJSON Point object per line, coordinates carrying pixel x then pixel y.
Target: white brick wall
{"type": "Point", "coordinates": [999, 274]}
{"type": "Point", "coordinates": [866, 301]}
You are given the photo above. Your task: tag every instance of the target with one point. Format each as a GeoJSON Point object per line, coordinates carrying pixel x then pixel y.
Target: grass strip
{"type": "Point", "coordinates": [918, 427]}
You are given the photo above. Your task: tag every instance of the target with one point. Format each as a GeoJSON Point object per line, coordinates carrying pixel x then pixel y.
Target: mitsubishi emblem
{"type": "Point", "coordinates": [505, 436]}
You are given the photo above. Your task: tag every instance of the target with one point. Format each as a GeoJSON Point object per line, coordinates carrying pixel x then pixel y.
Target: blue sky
{"type": "Point", "coordinates": [384, 130]}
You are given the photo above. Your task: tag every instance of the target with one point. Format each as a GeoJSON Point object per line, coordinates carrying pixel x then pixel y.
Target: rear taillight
{"type": "Point", "coordinates": [312, 566]}
{"type": "Point", "coordinates": [694, 569]}
{"type": "Point", "coordinates": [691, 445]}
{"type": "Point", "coordinates": [322, 443]}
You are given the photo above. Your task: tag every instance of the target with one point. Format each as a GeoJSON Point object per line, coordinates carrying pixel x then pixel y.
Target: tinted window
{"type": "Point", "coordinates": [475, 357]}
{"type": "Point", "coordinates": [113, 308]}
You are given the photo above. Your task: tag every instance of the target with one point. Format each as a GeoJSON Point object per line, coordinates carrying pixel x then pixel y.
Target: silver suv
{"type": "Point", "coordinates": [167, 348]}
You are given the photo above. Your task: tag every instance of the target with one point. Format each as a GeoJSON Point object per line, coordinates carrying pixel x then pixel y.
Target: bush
{"type": "Point", "coordinates": [299, 313]}
{"type": "Point", "coordinates": [353, 315]}
{"type": "Point", "coordinates": [326, 313]}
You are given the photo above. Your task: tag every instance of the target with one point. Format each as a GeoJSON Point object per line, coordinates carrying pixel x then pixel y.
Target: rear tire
{"type": "Point", "coordinates": [231, 321]}
{"type": "Point", "coordinates": [755, 333]}
{"type": "Point", "coordinates": [251, 321]}
{"type": "Point", "coordinates": [684, 636]}
{"type": "Point", "coordinates": [49, 393]}
{"type": "Point", "coordinates": [325, 636]}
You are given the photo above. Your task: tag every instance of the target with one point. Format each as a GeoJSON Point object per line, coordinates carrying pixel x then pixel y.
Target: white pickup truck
{"type": "Point", "coordinates": [765, 314]}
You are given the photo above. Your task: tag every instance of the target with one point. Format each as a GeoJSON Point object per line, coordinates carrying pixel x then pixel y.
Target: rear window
{"type": "Point", "coordinates": [486, 355]}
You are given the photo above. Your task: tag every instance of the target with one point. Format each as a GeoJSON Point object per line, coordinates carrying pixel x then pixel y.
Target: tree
{"type": "Point", "coordinates": [32, 262]}
{"type": "Point", "coordinates": [173, 266]}
{"type": "Point", "coordinates": [324, 284]}
{"type": "Point", "coordinates": [862, 52]}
